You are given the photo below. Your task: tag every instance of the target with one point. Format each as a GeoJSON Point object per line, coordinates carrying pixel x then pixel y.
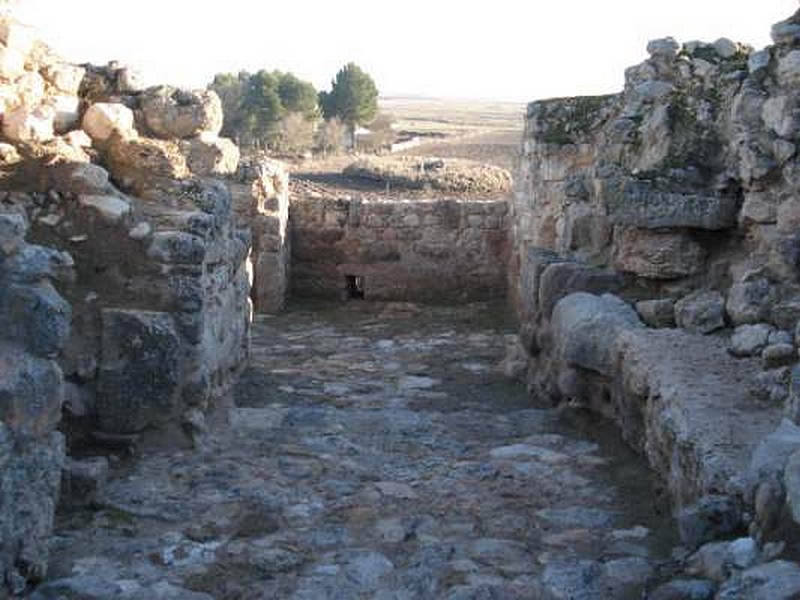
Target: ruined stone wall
{"type": "Point", "coordinates": [261, 200]}
{"type": "Point", "coordinates": [656, 266]}
{"type": "Point", "coordinates": [432, 250]}
{"type": "Point", "coordinates": [122, 180]}
{"type": "Point", "coordinates": [34, 325]}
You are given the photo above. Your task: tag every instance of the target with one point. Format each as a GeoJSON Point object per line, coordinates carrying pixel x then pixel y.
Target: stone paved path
{"type": "Point", "coordinates": [375, 452]}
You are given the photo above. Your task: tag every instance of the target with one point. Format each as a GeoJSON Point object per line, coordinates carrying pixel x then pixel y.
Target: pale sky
{"type": "Point", "coordinates": [503, 49]}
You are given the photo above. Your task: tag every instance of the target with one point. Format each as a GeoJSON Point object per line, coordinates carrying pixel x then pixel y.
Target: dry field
{"type": "Point", "coordinates": [454, 117]}
{"type": "Point", "coordinates": [481, 131]}
{"type": "Point", "coordinates": [488, 132]}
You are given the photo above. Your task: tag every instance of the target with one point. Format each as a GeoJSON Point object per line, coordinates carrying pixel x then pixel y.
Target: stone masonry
{"type": "Point", "coordinates": [126, 317]}
{"type": "Point", "coordinates": [34, 326]}
{"type": "Point", "coordinates": [418, 250]}
{"type": "Point", "coordinates": [655, 271]}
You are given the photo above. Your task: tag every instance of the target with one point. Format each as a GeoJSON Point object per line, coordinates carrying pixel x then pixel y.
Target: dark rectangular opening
{"type": "Point", "coordinates": [355, 287]}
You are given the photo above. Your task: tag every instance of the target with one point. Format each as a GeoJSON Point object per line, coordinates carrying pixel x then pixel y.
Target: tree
{"type": "Point", "coordinates": [353, 98]}
{"type": "Point", "coordinates": [255, 105]}
{"type": "Point", "coordinates": [298, 96]}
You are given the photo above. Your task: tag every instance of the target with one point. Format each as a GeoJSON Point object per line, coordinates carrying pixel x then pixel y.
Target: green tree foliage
{"type": "Point", "coordinates": [353, 97]}
{"type": "Point", "coordinates": [298, 96]}
{"type": "Point", "coordinates": [256, 105]}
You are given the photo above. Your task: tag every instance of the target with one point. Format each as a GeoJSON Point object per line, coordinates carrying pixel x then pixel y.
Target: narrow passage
{"type": "Point", "coordinates": [377, 451]}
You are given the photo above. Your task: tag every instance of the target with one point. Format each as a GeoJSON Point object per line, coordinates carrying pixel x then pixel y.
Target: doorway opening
{"type": "Point", "coordinates": [355, 287]}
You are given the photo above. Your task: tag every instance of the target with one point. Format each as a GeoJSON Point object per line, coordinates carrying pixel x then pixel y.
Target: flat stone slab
{"type": "Point", "coordinates": [701, 423]}
{"type": "Point", "coordinates": [636, 203]}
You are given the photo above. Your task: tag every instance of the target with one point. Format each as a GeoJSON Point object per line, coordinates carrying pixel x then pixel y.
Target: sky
{"type": "Point", "coordinates": [499, 50]}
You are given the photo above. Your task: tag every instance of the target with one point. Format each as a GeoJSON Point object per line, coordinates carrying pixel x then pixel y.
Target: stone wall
{"type": "Point", "coordinates": [123, 190]}
{"type": "Point", "coordinates": [262, 203]}
{"type": "Point", "coordinates": [34, 325]}
{"type": "Point", "coordinates": [416, 250]}
{"type": "Point", "coordinates": [656, 267]}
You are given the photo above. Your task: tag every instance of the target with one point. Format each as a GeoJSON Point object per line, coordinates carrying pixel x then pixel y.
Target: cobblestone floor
{"type": "Point", "coordinates": [375, 451]}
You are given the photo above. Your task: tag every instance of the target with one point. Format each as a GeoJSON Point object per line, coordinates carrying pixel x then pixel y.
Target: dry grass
{"type": "Point", "coordinates": [433, 116]}
{"type": "Point", "coordinates": [482, 132]}
{"type": "Point", "coordinates": [443, 175]}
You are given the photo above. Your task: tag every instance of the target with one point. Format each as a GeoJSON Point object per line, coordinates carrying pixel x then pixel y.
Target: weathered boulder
{"type": "Point", "coordinates": [110, 208]}
{"type": "Point", "coordinates": [563, 278]}
{"type": "Point", "coordinates": [663, 48]}
{"type": "Point", "coordinates": [66, 78]}
{"type": "Point", "coordinates": [778, 355]}
{"type": "Point", "coordinates": [778, 580]}
{"type": "Point", "coordinates": [657, 313]}
{"type": "Point", "coordinates": [749, 340]}
{"type": "Point", "coordinates": [13, 228]}
{"type": "Point", "coordinates": [789, 68]}
{"type": "Point", "coordinates": [708, 519]}
{"type": "Point", "coordinates": [30, 472]}
{"type": "Point", "coordinates": [764, 487]}
{"type": "Point", "coordinates": [66, 111]}
{"type": "Point", "coordinates": [30, 392]}
{"type": "Point", "coordinates": [80, 178]}
{"type": "Point", "coordinates": [585, 328]}
{"type": "Point", "coordinates": [701, 312]}
{"type": "Point", "coordinates": [788, 216]}
{"type": "Point", "coordinates": [34, 324]}
{"type": "Point", "coordinates": [786, 32]}
{"type": "Point", "coordinates": [209, 155]}
{"type": "Point", "coordinates": [143, 164]}
{"type": "Point", "coordinates": [104, 119]}
{"type": "Point", "coordinates": [36, 315]}
{"type": "Point", "coordinates": [140, 374]}
{"type": "Point", "coordinates": [171, 113]}
{"type": "Point", "coordinates": [29, 125]}
{"type": "Point", "coordinates": [749, 301]}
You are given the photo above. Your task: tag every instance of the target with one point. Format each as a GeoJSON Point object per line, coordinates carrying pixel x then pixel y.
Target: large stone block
{"type": "Point", "coordinates": [142, 164]}
{"type": "Point", "coordinates": [563, 278]}
{"type": "Point", "coordinates": [29, 125]}
{"type": "Point", "coordinates": [777, 580]}
{"type": "Point", "coordinates": [657, 254]}
{"type": "Point", "coordinates": [209, 155]}
{"type": "Point", "coordinates": [172, 113]}
{"type": "Point", "coordinates": [140, 370]}
{"type": "Point", "coordinates": [30, 472]}
{"type": "Point", "coordinates": [103, 119]}
{"type": "Point", "coordinates": [586, 327]}
{"type": "Point", "coordinates": [750, 301]}
{"type": "Point", "coordinates": [13, 228]}
{"type": "Point", "coordinates": [533, 262]}
{"type": "Point", "coordinates": [31, 392]}
{"type": "Point", "coordinates": [65, 77]}
{"type": "Point", "coordinates": [35, 316]}
{"type": "Point", "coordinates": [638, 204]}
{"type": "Point", "coordinates": [701, 312]}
